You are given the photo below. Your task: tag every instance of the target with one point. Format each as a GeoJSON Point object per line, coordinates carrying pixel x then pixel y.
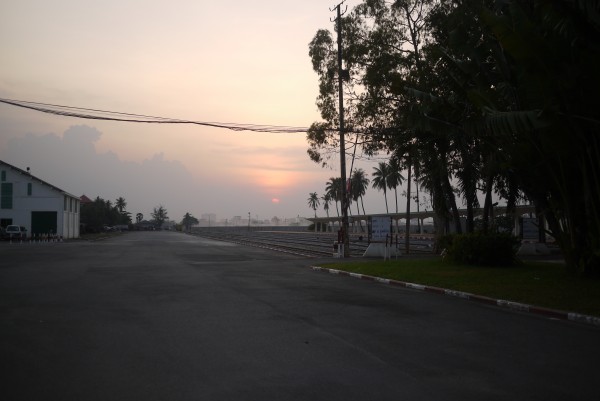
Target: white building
{"type": "Point", "coordinates": [36, 205]}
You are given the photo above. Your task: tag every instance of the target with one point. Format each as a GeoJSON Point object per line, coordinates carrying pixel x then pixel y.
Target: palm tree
{"type": "Point", "coordinates": [358, 187]}
{"type": "Point", "coordinates": [326, 201]}
{"type": "Point", "coordinates": [313, 202]}
{"type": "Point", "coordinates": [380, 174]}
{"type": "Point", "coordinates": [139, 217]}
{"type": "Point", "coordinates": [360, 183]}
{"type": "Point", "coordinates": [120, 204]}
{"type": "Point", "coordinates": [333, 189]}
{"type": "Point", "coordinates": [394, 178]}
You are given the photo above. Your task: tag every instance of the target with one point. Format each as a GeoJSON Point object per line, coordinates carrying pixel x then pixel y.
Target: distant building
{"type": "Point", "coordinates": [38, 206]}
{"type": "Point", "coordinates": [208, 220]}
{"type": "Point", "coordinates": [84, 200]}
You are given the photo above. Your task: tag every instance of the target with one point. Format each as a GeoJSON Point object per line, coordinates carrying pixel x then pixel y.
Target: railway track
{"type": "Point", "coordinates": [298, 243]}
{"type": "Point", "coordinates": [296, 250]}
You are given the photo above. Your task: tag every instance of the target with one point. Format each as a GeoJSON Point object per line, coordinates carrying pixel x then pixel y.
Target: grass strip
{"type": "Point", "coordinates": [544, 284]}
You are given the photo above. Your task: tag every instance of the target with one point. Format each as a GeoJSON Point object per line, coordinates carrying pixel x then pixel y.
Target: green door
{"type": "Point", "coordinates": [43, 222]}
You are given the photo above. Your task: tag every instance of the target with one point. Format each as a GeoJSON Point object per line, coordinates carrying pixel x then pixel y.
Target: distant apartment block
{"type": "Point", "coordinates": [208, 220]}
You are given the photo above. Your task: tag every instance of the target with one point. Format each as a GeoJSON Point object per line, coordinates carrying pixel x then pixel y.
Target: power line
{"type": "Point", "coordinates": [105, 115]}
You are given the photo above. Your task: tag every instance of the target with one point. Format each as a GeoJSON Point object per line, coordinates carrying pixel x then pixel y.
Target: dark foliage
{"type": "Point", "coordinates": [99, 214]}
{"type": "Point", "coordinates": [480, 249]}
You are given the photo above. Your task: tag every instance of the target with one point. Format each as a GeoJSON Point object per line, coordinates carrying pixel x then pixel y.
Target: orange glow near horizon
{"type": "Point", "coordinates": [274, 183]}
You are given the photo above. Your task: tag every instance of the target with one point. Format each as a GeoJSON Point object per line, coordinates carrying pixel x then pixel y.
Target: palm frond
{"type": "Point", "coordinates": [503, 123]}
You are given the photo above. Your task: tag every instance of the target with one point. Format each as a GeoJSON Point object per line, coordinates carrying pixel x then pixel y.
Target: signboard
{"type": "Point", "coordinates": [530, 228]}
{"type": "Point", "coordinates": [380, 227]}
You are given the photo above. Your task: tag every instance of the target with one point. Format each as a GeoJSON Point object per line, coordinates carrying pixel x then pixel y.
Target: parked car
{"type": "Point", "coordinates": [15, 233]}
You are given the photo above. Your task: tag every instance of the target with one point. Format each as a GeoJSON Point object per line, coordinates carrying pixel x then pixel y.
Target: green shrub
{"type": "Point", "coordinates": [495, 249]}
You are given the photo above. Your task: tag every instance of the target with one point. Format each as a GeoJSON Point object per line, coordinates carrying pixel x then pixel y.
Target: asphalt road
{"type": "Point", "coordinates": [166, 316]}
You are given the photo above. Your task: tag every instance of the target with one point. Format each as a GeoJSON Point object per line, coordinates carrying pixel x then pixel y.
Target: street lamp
{"type": "Point", "coordinates": [248, 221]}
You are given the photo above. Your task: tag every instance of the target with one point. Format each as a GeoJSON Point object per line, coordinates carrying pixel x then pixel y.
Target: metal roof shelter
{"type": "Point", "coordinates": [356, 220]}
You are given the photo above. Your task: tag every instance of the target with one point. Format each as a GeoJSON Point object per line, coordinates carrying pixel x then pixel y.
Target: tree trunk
{"type": "Point", "coordinates": [452, 203]}
{"type": "Point", "coordinates": [387, 210]}
{"type": "Point", "coordinates": [409, 179]}
{"type": "Point", "coordinates": [487, 205]}
{"type": "Point", "coordinates": [396, 195]}
{"type": "Point", "coordinates": [363, 205]}
{"type": "Point", "coordinates": [419, 221]}
{"type": "Point", "coordinates": [358, 214]}
{"type": "Point", "coordinates": [470, 217]}
{"type": "Point", "coordinates": [470, 191]}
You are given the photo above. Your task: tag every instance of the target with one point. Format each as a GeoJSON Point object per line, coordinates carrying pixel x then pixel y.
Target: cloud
{"type": "Point", "coordinates": [72, 163]}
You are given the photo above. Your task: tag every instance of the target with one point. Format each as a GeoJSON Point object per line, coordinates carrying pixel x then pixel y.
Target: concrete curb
{"type": "Point", "coordinates": [516, 306]}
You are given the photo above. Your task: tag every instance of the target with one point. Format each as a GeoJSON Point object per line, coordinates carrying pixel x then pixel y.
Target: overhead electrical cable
{"type": "Point", "coordinates": [95, 114]}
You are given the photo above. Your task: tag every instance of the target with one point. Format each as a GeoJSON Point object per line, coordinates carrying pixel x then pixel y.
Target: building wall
{"type": "Point", "coordinates": [31, 195]}
{"type": "Point", "coordinates": [71, 208]}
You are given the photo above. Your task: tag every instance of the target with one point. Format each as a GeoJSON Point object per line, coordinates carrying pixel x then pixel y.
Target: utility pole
{"type": "Point", "coordinates": [341, 74]}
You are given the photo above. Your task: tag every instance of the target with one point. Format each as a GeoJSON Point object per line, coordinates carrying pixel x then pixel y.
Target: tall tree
{"type": "Point", "coordinates": [487, 94]}
{"type": "Point", "coordinates": [188, 221]}
{"type": "Point", "coordinates": [334, 190]}
{"type": "Point", "coordinates": [380, 174]}
{"type": "Point", "coordinates": [326, 201]}
{"type": "Point", "coordinates": [313, 202]}
{"type": "Point", "coordinates": [159, 215]}
{"type": "Point", "coordinates": [121, 204]}
{"type": "Point", "coordinates": [550, 123]}
{"type": "Point", "coordinates": [359, 185]}
{"type": "Point", "coordinates": [101, 213]}
{"type": "Point", "coordinates": [394, 177]}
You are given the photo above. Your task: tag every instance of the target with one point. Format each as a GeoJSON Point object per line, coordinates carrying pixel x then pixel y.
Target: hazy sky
{"type": "Point", "coordinates": [232, 61]}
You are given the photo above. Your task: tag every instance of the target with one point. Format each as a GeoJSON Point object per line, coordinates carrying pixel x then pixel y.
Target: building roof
{"type": "Point", "coordinates": [84, 199]}
{"type": "Point", "coordinates": [27, 173]}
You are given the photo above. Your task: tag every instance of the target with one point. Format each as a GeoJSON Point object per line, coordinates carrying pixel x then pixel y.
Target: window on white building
{"type": "Point", "coordinates": [6, 196]}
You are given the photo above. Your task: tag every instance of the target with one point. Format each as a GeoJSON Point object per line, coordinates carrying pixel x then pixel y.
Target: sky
{"type": "Point", "coordinates": [231, 62]}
